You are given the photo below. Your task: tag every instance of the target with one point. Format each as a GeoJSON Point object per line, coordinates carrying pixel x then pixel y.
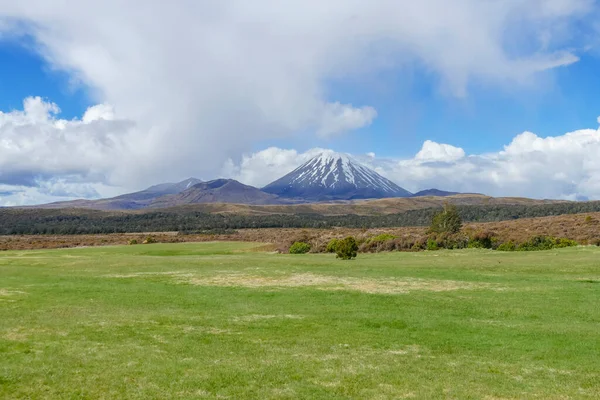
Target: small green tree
{"type": "Point", "coordinates": [447, 220]}
{"type": "Point", "coordinates": [347, 249]}
{"type": "Point", "coordinates": [300, 248]}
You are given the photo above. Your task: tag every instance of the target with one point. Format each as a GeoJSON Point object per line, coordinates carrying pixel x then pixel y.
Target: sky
{"type": "Point", "coordinates": [103, 98]}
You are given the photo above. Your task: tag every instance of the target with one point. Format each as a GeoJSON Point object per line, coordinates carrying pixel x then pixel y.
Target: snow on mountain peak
{"type": "Point", "coordinates": [335, 175]}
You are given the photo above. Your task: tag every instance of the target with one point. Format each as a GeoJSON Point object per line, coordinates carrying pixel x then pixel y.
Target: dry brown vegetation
{"type": "Point", "coordinates": [361, 207]}
{"type": "Point", "coordinates": [584, 228]}
{"type": "Point", "coordinates": [322, 282]}
{"type": "Point", "coordinates": [357, 207]}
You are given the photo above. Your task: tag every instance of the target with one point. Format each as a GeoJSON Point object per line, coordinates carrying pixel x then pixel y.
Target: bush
{"type": "Point", "coordinates": [332, 245]}
{"type": "Point", "coordinates": [347, 249]}
{"type": "Point", "coordinates": [564, 242]}
{"type": "Point", "coordinates": [448, 220]}
{"type": "Point", "coordinates": [384, 237]}
{"type": "Point", "coordinates": [537, 243]}
{"type": "Point", "coordinates": [368, 247]}
{"type": "Point", "coordinates": [482, 240]}
{"type": "Point", "coordinates": [507, 246]}
{"type": "Point", "coordinates": [300, 248]}
{"type": "Point", "coordinates": [432, 244]}
{"type": "Point", "coordinates": [149, 240]}
{"type": "Point", "coordinates": [132, 242]}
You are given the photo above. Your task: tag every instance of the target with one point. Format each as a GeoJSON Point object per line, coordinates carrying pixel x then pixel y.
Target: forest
{"type": "Point", "coordinates": [15, 221]}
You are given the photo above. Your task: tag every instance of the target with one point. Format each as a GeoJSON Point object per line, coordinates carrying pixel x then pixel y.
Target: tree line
{"type": "Point", "coordinates": [71, 222]}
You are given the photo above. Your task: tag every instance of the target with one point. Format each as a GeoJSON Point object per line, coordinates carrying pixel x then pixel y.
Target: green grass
{"type": "Point", "coordinates": [217, 320]}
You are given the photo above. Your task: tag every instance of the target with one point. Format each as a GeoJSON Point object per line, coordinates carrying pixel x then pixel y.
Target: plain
{"type": "Point", "coordinates": [225, 320]}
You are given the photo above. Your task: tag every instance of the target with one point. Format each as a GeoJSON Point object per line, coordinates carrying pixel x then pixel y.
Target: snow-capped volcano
{"type": "Point", "coordinates": [334, 176]}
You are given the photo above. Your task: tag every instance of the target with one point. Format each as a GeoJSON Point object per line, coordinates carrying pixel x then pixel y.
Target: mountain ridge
{"type": "Point", "coordinates": [216, 191]}
{"type": "Point", "coordinates": [328, 177]}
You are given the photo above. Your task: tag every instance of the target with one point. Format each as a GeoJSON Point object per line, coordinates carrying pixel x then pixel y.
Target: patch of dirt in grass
{"type": "Point", "coordinates": [413, 349]}
{"type": "Point", "coordinates": [21, 334]}
{"type": "Point", "coordinates": [16, 335]}
{"type": "Point", "coordinates": [207, 330]}
{"type": "Point", "coordinates": [148, 274]}
{"type": "Point", "coordinates": [10, 292]}
{"type": "Point", "coordinates": [325, 282]}
{"type": "Point", "coordinates": [8, 295]}
{"type": "Point", "coordinates": [261, 317]}
{"type": "Point", "coordinates": [588, 280]}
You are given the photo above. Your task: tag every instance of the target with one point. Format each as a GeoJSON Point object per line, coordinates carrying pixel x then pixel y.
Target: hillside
{"type": "Point", "coordinates": [219, 190]}
{"type": "Point", "coordinates": [190, 219]}
{"type": "Point", "coordinates": [360, 207]}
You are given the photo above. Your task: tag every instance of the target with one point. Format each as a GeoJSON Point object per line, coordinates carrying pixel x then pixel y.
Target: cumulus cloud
{"type": "Point", "coordinates": [204, 81]}
{"type": "Point", "coordinates": [59, 157]}
{"type": "Point", "coordinates": [566, 167]}
{"type": "Point", "coordinates": [197, 83]}
{"type": "Point", "coordinates": [432, 151]}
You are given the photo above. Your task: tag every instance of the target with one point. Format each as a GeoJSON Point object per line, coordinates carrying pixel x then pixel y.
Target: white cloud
{"type": "Point", "coordinates": [338, 118]}
{"type": "Point", "coordinates": [37, 148]}
{"type": "Point", "coordinates": [52, 190]}
{"type": "Point", "coordinates": [204, 81]}
{"type": "Point", "coordinates": [197, 83]}
{"type": "Point", "coordinates": [432, 151]}
{"type": "Point", "coordinates": [566, 167]}
{"type": "Point", "coordinates": [99, 112]}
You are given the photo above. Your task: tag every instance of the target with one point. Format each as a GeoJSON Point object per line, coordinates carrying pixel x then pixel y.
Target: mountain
{"type": "Point", "coordinates": [129, 201]}
{"type": "Point", "coordinates": [434, 192]}
{"type": "Point", "coordinates": [334, 176]}
{"type": "Point", "coordinates": [217, 191]}
{"type": "Point", "coordinates": [156, 191]}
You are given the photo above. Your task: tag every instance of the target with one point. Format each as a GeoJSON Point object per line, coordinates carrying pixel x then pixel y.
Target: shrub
{"type": "Point", "coordinates": [347, 249]}
{"type": "Point", "coordinates": [420, 244]}
{"type": "Point", "coordinates": [432, 244]}
{"type": "Point", "coordinates": [300, 248]}
{"type": "Point", "coordinates": [132, 242]}
{"type": "Point", "coordinates": [384, 237]}
{"type": "Point", "coordinates": [447, 220]}
{"type": "Point", "coordinates": [564, 242]}
{"type": "Point", "coordinates": [537, 243]}
{"type": "Point", "coordinates": [332, 245]}
{"type": "Point", "coordinates": [507, 246]}
{"type": "Point", "coordinates": [149, 240]}
{"type": "Point", "coordinates": [482, 240]}
{"type": "Point", "coordinates": [589, 219]}
{"type": "Point", "coordinates": [368, 247]}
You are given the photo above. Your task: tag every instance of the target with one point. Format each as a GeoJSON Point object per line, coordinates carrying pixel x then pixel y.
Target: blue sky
{"type": "Point", "coordinates": [441, 93]}
{"type": "Point", "coordinates": [24, 74]}
{"type": "Point", "coordinates": [488, 118]}
{"type": "Point", "coordinates": [410, 110]}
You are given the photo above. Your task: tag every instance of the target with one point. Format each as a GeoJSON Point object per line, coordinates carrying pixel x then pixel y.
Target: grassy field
{"type": "Point", "coordinates": [221, 320]}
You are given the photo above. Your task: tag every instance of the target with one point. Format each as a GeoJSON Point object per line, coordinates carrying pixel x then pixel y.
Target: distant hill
{"type": "Point", "coordinates": [216, 191]}
{"type": "Point", "coordinates": [434, 192]}
{"type": "Point", "coordinates": [193, 218]}
{"type": "Point", "coordinates": [129, 201]}
{"type": "Point", "coordinates": [334, 176]}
